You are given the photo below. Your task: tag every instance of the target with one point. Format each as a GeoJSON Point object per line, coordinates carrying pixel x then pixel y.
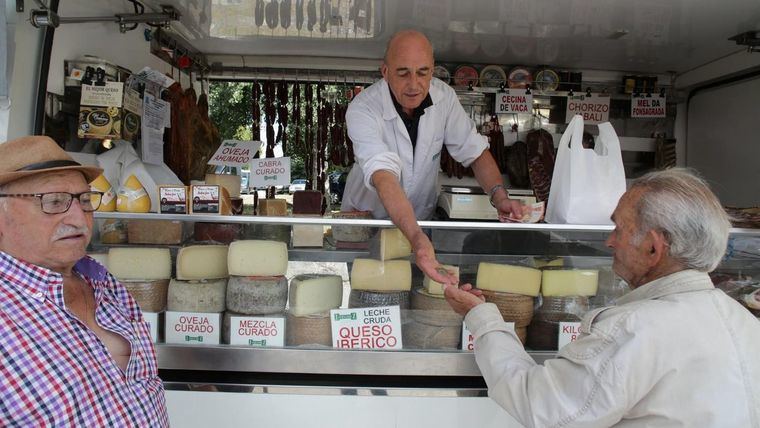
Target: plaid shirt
{"type": "Point", "coordinates": [55, 371]}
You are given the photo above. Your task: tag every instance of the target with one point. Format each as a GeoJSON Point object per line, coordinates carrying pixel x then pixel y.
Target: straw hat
{"type": "Point", "coordinates": [36, 154]}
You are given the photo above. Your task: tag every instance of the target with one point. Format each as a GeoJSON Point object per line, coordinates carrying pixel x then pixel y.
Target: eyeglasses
{"type": "Point", "coordinates": [60, 202]}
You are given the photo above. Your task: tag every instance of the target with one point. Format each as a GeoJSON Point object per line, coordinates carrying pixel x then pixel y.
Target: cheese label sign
{"type": "Point", "coordinates": [173, 199]}
{"type": "Point", "coordinates": [651, 106]}
{"type": "Point", "coordinates": [366, 328]}
{"type": "Point", "coordinates": [568, 332]}
{"type": "Point", "coordinates": [235, 153]}
{"type": "Point", "coordinates": [195, 328]}
{"type": "Point", "coordinates": [259, 332]}
{"type": "Point", "coordinates": [267, 172]}
{"type": "Point", "coordinates": [514, 101]}
{"type": "Point", "coordinates": [110, 95]}
{"type": "Point", "coordinates": [594, 109]}
{"type": "Point", "coordinates": [468, 340]}
{"type": "Point", "coordinates": [152, 319]}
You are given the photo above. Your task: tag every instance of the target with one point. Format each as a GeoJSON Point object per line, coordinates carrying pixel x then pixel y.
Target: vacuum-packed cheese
{"type": "Point", "coordinates": [150, 295]}
{"type": "Point", "coordinates": [257, 258]}
{"type": "Point", "coordinates": [508, 279]}
{"type": "Point", "coordinates": [315, 293]}
{"type": "Point", "coordinates": [569, 282]}
{"type": "Point", "coordinates": [202, 262]}
{"type": "Point", "coordinates": [376, 275]}
{"type": "Point", "coordinates": [434, 287]}
{"type": "Point", "coordinates": [197, 296]}
{"type": "Point", "coordinates": [257, 295]}
{"type": "Point", "coordinates": [140, 263]}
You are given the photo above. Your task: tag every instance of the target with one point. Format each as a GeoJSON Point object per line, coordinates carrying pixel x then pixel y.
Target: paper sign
{"type": "Point", "coordinates": [468, 341]}
{"type": "Point", "coordinates": [267, 172]}
{"type": "Point", "coordinates": [594, 109]}
{"type": "Point", "coordinates": [568, 332]}
{"type": "Point", "coordinates": [648, 106]}
{"type": "Point", "coordinates": [192, 328]}
{"type": "Point", "coordinates": [514, 101]}
{"type": "Point", "coordinates": [235, 153]}
{"type": "Point", "coordinates": [110, 95]}
{"type": "Point", "coordinates": [366, 328]}
{"type": "Point", "coordinates": [152, 319]}
{"type": "Point", "coordinates": [261, 332]}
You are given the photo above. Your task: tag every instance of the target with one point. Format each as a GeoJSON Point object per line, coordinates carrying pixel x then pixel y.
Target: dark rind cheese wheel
{"type": "Point", "coordinates": [368, 299]}
{"type": "Point", "coordinates": [222, 233]}
{"type": "Point", "coordinates": [308, 330]}
{"type": "Point", "coordinates": [346, 233]}
{"type": "Point", "coordinates": [257, 294]}
{"type": "Point", "coordinates": [433, 310]}
{"type": "Point", "coordinates": [197, 296]}
{"type": "Point", "coordinates": [267, 232]}
{"type": "Point", "coordinates": [515, 308]}
{"type": "Point", "coordinates": [150, 295]}
{"type": "Point", "coordinates": [417, 335]}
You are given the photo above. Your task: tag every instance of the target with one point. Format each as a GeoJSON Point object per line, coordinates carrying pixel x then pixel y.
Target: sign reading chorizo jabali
{"type": "Point", "coordinates": [366, 328]}
{"type": "Point", "coordinates": [594, 109]}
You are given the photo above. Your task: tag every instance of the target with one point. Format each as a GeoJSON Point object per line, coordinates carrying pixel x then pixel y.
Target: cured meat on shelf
{"type": "Point", "coordinates": [541, 158]}
{"type": "Point", "coordinates": [517, 165]}
{"type": "Point", "coordinates": [492, 129]}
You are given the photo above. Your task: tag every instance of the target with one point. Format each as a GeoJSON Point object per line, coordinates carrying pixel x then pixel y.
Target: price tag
{"type": "Point", "coordinates": [366, 328]}
{"type": "Point", "coordinates": [568, 332]}
{"type": "Point", "coordinates": [195, 328]}
{"type": "Point", "coordinates": [594, 109]}
{"type": "Point", "coordinates": [648, 106]}
{"type": "Point", "coordinates": [468, 341]}
{"type": "Point", "coordinates": [261, 332]}
{"type": "Point", "coordinates": [514, 101]}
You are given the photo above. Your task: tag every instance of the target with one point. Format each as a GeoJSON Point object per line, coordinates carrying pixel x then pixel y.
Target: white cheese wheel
{"type": "Point", "coordinates": [435, 287]}
{"type": "Point", "coordinates": [508, 279]}
{"type": "Point", "coordinates": [308, 330]}
{"type": "Point", "coordinates": [390, 244]}
{"type": "Point", "coordinates": [315, 293]}
{"type": "Point", "coordinates": [570, 282]}
{"type": "Point", "coordinates": [197, 296]}
{"type": "Point", "coordinates": [257, 295]}
{"type": "Point", "coordinates": [149, 295]}
{"type": "Point", "coordinates": [257, 258]}
{"type": "Point", "coordinates": [202, 262]}
{"type": "Point", "coordinates": [370, 299]}
{"type": "Point", "coordinates": [432, 309]}
{"type": "Point", "coordinates": [416, 335]}
{"type": "Point", "coordinates": [140, 263]}
{"type": "Point", "coordinates": [376, 275]}
{"type": "Point", "coordinates": [163, 232]}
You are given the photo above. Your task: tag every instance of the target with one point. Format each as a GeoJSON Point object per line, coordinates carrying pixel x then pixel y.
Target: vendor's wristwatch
{"type": "Point", "coordinates": [493, 192]}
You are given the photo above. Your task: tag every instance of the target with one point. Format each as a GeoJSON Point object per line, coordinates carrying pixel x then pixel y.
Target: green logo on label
{"type": "Point", "coordinates": [193, 338]}
{"type": "Point", "coordinates": [270, 177]}
{"type": "Point", "coordinates": [351, 316]}
{"type": "Point", "coordinates": [262, 342]}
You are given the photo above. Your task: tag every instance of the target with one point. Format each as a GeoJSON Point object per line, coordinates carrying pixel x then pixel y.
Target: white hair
{"type": "Point", "coordinates": [679, 204]}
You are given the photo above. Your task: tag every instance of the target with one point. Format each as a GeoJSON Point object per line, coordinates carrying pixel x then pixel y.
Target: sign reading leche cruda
{"type": "Point", "coordinates": [366, 328]}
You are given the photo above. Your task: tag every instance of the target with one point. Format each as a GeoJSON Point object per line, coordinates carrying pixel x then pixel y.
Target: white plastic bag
{"type": "Point", "coordinates": [586, 184]}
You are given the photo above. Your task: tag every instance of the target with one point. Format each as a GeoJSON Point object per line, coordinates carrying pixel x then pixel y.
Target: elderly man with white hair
{"type": "Point", "coordinates": [674, 351]}
{"type": "Point", "coordinates": [74, 347]}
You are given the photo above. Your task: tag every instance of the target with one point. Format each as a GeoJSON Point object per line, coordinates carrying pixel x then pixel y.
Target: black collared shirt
{"type": "Point", "coordinates": [412, 122]}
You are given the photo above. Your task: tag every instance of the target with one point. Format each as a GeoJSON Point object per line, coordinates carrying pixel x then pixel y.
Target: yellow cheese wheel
{"type": "Point", "coordinates": [108, 199]}
{"type": "Point", "coordinates": [132, 197]}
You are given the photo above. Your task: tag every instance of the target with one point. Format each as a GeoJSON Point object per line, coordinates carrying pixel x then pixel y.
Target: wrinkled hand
{"type": "Point", "coordinates": [463, 298]}
{"type": "Point", "coordinates": [426, 261]}
{"type": "Point", "coordinates": [509, 209]}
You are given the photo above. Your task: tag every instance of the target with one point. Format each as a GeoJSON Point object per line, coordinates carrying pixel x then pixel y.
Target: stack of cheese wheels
{"type": "Point", "coordinates": [565, 298]}
{"type": "Point", "coordinates": [269, 231]}
{"type": "Point", "coordinates": [257, 284]}
{"type": "Point", "coordinates": [433, 324]}
{"type": "Point", "coordinates": [352, 234]}
{"type": "Point", "coordinates": [144, 272]}
{"type": "Point", "coordinates": [311, 298]}
{"type": "Point", "coordinates": [512, 289]}
{"type": "Point", "coordinates": [163, 232]}
{"type": "Point", "coordinates": [201, 282]}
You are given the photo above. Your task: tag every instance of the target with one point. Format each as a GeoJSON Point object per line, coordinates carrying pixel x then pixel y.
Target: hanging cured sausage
{"type": "Point", "coordinates": [269, 114]}
{"type": "Point", "coordinates": [297, 143]}
{"type": "Point", "coordinates": [282, 114]}
{"type": "Point", "coordinates": [541, 159]}
{"type": "Point", "coordinates": [256, 110]}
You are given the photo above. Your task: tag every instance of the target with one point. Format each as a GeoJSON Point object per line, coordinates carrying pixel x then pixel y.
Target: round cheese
{"type": "Point", "coordinates": [202, 262]}
{"type": "Point", "coordinates": [390, 244]}
{"type": "Point", "coordinates": [515, 308]}
{"type": "Point", "coordinates": [127, 263]}
{"type": "Point", "coordinates": [368, 299]}
{"type": "Point", "coordinates": [257, 258]}
{"type": "Point", "coordinates": [257, 295]}
{"type": "Point", "coordinates": [569, 282]}
{"type": "Point", "coordinates": [315, 293]}
{"type": "Point", "coordinates": [522, 334]}
{"type": "Point", "coordinates": [376, 275]}
{"type": "Point", "coordinates": [132, 197]}
{"type": "Point", "coordinates": [149, 295]}
{"type": "Point", "coordinates": [416, 335]}
{"type": "Point", "coordinates": [267, 232]}
{"type": "Point", "coordinates": [352, 233]}
{"type": "Point", "coordinates": [433, 309]}
{"type": "Point", "coordinates": [197, 296]}
{"type": "Point", "coordinates": [108, 199]}
{"type": "Point", "coordinates": [222, 233]}
{"type": "Point", "coordinates": [508, 279]}
{"type": "Point", "coordinates": [308, 330]}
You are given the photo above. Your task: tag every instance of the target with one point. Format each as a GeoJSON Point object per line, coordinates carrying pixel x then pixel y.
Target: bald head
{"type": "Point", "coordinates": [408, 68]}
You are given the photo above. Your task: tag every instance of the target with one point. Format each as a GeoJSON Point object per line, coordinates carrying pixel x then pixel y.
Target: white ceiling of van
{"type": "Point", "coordinates": [651, 36]}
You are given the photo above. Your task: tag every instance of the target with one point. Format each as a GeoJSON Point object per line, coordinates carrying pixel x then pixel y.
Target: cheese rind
{"type": "Point", "coordinates": [352, 233]}
{"type": "Point", "coordinates": [202, 262]}
{"type": "Point", "coordinates": [370, 299]}
{"type": "Point", "coordinates": [391, 244]}
{"type": "Point", "coordinates": [315, 293]}
{"type": "Point", "coordinates": [163, 232]}
{"type": "Point", "coordinates": [149, 295]}
{"type": "Point", "coordinates": [307, 202]}
{"type": "Point", "coordinates": [434, 287]}
{"type": "Point", "coordinates": [140, 263]}
{"type": "Point", "coordinates": [197, 296]}
{"type": "Point", "coordinates": [508, 279]}
{"type": "Point", "coordinates": [417, 335]}
{"type": "Point", "coordinates": [257, 295]}
{"type": "Point", "coordinates": [308, 330]}
{"type": "Point", "coordinates": [569, 282]}
{"type": "Point", "coordinates": [376, 275]}
{"type": "Point", "coordinates": [257, 258]}
{"type": "Point", "coordinates": [432, 309]}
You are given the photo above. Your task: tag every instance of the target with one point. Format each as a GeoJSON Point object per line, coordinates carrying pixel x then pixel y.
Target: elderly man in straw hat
{"type": "Point", "coordinates": [74, 348]}
{"type": "Point", "coordinates": [673, 352]}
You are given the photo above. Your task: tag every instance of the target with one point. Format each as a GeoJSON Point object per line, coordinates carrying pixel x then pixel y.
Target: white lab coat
{"type": "Point", "coordinates": [381, 142]}
{"type": "Point", "coordinates": [673, 352]}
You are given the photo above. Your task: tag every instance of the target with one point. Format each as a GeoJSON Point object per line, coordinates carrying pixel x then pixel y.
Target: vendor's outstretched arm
{"type": "Point", "coordinates": [402, 214]}
{"type": "Point", "coordinates": [488, 175]}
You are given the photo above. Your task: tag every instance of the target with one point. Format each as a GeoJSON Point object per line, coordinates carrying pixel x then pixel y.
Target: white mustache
{"type": "Point", "coordinates": [66, 230]}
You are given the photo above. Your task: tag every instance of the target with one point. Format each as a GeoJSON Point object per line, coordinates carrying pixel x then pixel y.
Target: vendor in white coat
{"type": "Point", "coordinates": [398, 127]}
{"type": "Point", "coordinates": [674, 351]}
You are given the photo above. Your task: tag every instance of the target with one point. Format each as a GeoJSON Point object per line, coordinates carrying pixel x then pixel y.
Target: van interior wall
{"type": "Point", "coordinates": [724, 142]}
